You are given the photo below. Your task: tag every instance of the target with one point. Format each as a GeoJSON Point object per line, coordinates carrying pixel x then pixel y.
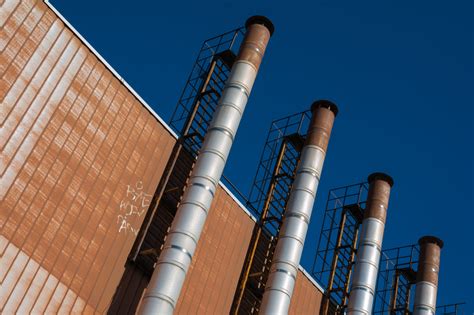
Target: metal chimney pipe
{"type": "Point", "coordinates": [281, 280]}
{"type": "Point", "coordinates": [165, 285]}
{"type": "Point", "coordinates": [427, 275]}
{"type": "Point", "coordinates": [370, 244]}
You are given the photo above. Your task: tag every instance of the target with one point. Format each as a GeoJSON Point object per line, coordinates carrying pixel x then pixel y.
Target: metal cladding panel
{"type": "Point", "coordinates": [80, 160]}
{"type": "Point", "coordinates": [212, 279]}
{"type": "Point", "coordinates": [306, 296]}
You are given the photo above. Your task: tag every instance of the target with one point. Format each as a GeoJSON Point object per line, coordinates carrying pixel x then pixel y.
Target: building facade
{"type": "Point", "coordinates": [82, 157]}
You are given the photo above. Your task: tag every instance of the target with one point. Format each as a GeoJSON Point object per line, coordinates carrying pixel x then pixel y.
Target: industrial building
{"type": "Point", "coordinates": [106, 208]}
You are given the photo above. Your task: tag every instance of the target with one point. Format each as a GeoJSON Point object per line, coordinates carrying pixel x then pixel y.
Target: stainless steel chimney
{"type": "Point", "coordinates": [370, 244]}
{"type": "Point", "coordinates": [281, 281]}
{"type": "Point", "coordinates": [427, 275]}
{"type": "Point", "coordinates": [165, 285]}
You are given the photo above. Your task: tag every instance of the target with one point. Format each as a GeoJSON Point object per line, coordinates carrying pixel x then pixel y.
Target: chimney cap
{"type": "Point", "coordinates": [262, 20]}
{"type": "Point", "coordinates": [381, 176]}
{"type": "Point", "coordinates": [325, 104]}
{"type": "Point", "coordinates": [431, 239]}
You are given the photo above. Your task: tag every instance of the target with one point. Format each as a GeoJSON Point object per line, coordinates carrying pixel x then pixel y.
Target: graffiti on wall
{"type": "Point", "coordinates": [134, 205]}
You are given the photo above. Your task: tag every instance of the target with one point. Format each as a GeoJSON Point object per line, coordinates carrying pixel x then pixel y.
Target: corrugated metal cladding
{"type": "Point", "coordinates": [212, 279]}
{"type": "Point", "coordinates": [80, 160]}
{"type": "Point", "coordinates": [306, 297]}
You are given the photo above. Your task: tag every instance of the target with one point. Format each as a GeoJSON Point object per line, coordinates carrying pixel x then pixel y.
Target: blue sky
{"type": "Point", "coordinates": [401, 73]}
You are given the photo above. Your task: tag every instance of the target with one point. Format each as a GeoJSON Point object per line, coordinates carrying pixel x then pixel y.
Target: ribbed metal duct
{"type": "Point", "coordinates": [427, 275]}
{"type": "Point", "coordinates": [370, 244]}
{"type": "Point", "coordinates": [165, 285]}
{"type": "Point", "coordinates": [281, 281]}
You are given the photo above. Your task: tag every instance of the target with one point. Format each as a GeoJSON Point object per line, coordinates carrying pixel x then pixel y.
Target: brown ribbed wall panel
{"type": "Point", "coordinates": [78, 150]}
{"type": "Point", "coordinates": [80, 158]}
{"type": "Point", "coordinates": [212, 279]}
{"type": "Point", "coordinates": [306, 296]}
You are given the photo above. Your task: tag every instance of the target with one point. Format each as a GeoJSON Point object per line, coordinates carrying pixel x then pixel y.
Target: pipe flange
{"type": "Point", "coordinates": [262, 20]}
{"type": "Point", "coordinates": [325, 104]}
{"type": "Point", "coordinates": [431, 239]}
{"type": "Point", "coordinates": [381, 176]}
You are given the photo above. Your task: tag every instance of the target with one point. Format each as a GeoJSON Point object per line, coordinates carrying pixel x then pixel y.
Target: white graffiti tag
{"type": "Point", "coordinates": [134, 205]}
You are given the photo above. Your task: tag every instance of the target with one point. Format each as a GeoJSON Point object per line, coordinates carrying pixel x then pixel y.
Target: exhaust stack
{"type": "Point", "coordinates": [368, 253]}
{"type": "Point", "coordinates": [281, 281]}
{"type": "Point", "coordinates": [427, 275]}
{"type": "Point", "coordinates": [165, 285]}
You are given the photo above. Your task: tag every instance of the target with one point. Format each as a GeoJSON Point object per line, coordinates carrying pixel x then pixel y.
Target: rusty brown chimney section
{"type": "Point", "coordinates": [427, 275]}
{"type": "Point", "coordinates": [259, 30]}
{"type": "Point", "coordinates": [370, 245]}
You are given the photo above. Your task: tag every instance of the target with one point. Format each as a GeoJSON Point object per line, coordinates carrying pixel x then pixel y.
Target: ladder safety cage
{"type": "Point", "coordinates": [190, 120]}
{"type": "Point", "coordinates": [450, 309]}
{"type": "Point", "coordinates": [201, 93]}
{"type": "Point", "coordinates": [396, 280]}
{"type": "Point", "coordinates": [337, 245]}
{"type": "Point", "coordinates": [267, 201]}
